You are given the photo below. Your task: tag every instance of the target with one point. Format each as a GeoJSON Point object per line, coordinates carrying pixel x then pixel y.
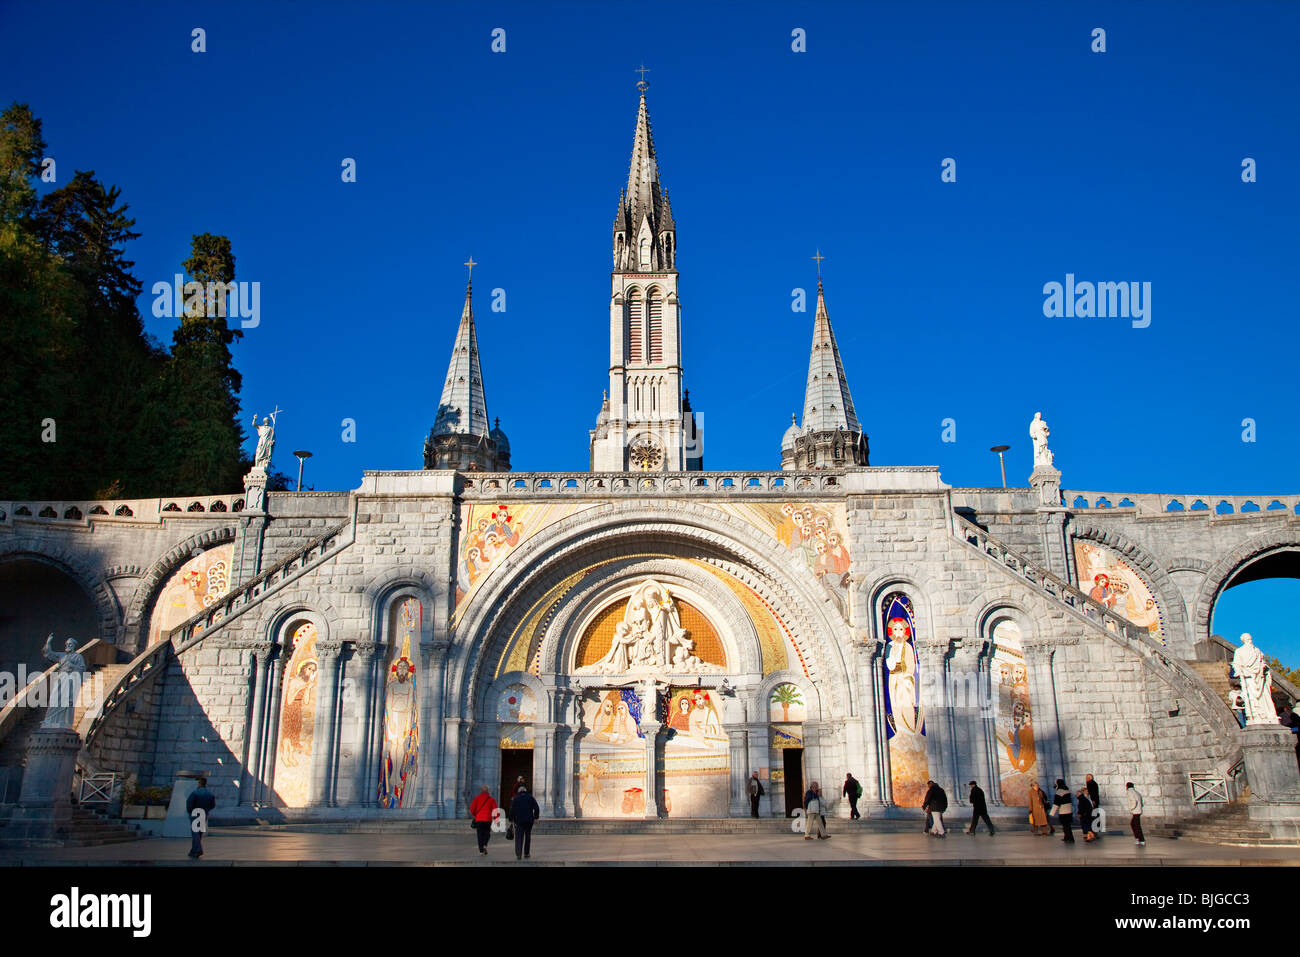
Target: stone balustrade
{"type": "Point", "coordinates": [1162, 503]}
{"type": "Point", "coordinates": [134, 510]}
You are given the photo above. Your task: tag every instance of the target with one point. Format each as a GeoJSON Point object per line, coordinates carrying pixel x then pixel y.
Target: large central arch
{"type": "Point", "coordinates": [574, 565]}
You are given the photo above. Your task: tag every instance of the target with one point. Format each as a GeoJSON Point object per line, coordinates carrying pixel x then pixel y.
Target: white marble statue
{"type": "Point", "coordinates": [650, 638]}
{"type": "Point", "coordinates": [65, 683]}
{"type": "Point", "coordinates": [1256, 683]}
{"type": "Point", "coordinates": [1038, 432]}
{"type": "Point", "coordinates": [265, 440]}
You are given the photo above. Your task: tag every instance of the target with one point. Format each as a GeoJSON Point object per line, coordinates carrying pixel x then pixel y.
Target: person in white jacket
{"type": "Point", "coordinates": [1135, 810]}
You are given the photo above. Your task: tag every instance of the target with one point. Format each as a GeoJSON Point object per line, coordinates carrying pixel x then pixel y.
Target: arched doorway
{"type": "Point", "coordinates": [37, 598]}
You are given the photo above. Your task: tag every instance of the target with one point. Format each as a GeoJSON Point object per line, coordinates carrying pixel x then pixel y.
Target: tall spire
{"type": "Point", "coordinates": [830, 435]}
{"type": "Point", "coordinates": [827, 403]}
{"type": "Point", "coordinates": [644, 236]}
{"type": "Point", "coordinates": [461, 436]}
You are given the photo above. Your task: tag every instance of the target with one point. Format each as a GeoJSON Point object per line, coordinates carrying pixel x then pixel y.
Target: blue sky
{"type": "Point", "coordinates": [1115, 166]}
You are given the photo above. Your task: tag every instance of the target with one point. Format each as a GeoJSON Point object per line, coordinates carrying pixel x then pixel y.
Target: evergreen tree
{"type": "Point", "coordinates": [201, 384]}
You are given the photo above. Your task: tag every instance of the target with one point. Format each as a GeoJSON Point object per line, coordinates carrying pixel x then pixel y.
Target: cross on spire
{"type": "Point", "coordinates": [641, 84]}
{"type": "Point", "coordinates": [471, 264]}
{"type": "Point", "coordinates": [819, 257]}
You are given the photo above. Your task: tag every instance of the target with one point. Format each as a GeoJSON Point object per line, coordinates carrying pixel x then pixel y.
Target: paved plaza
{"type": "Point", "coordinates": [847, 846]}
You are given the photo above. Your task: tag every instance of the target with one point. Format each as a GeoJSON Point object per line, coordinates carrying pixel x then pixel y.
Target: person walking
{"type": "Point", "coordinates": [1085, 814]}
{"type": "Point", "coordinates": [755, 792]}
{"type": "Point", "coordinates": [203, 801]}
{"type": "Point", "coordinates": [935, 803]}
{"type": "Point", "coordinates": [480, 812]}
{"type": "Point", "coordinates": [1039, 822]}
{"type": "Point", "coordinates": [1063, 808]}
{"type": "Point", "coordinates": [1135, 814]}
{"type": "Point", "coordinates": [523, 813]}
{"type": "Point", "coordinates": [814, 810]}
{"type": "Point", "coordinates": [852, 790]}
{"type": "Point", "coordinates": [979, 809]}
{"type": "Point", "coordinates": [1094, 792]}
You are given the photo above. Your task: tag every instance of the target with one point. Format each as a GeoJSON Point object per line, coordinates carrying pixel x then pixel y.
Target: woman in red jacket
{"type": "Point", "coordinates": [480, 811]}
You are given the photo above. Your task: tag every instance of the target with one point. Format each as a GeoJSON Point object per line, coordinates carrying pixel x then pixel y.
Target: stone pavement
{"type": "Point", "coordinates": [850, 844]}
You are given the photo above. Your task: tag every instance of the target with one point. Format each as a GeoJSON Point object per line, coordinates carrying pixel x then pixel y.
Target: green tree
{"type": "Point", "coordinates": [201, 404]}
{"type": "Point", "coordinates": [1290, 674]}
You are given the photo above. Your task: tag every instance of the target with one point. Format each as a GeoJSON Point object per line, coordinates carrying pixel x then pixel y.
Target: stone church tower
{"type": "Point", "coordinates": [831, 436]}
{"type": "Point", "coordinates": [646, 422]}
{"type": "Point", "coordinates": [460, 438]}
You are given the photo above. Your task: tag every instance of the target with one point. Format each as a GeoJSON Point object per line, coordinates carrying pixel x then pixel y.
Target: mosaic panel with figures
{"type": "Point", "coordinates": [200, 582]}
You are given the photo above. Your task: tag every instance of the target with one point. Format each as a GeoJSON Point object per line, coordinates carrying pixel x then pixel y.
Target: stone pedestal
{"type": "Point", "coordinates": [1274, 779]}
{"type": "Point", "coordinates": [1046, 481]}
{"type": "Point", "coordinates": [45, 802]}
{"type": "Point", "coordinates": [177, 822]}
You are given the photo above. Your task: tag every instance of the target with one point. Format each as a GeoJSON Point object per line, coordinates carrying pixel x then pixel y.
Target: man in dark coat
{"type": "Point", "coordinates": [202, 801]}
{"type": "Point", "coordinates": [934, 804]}
{"type": "Point", "coordinates": [755, 792]}
{"type": "Point", "coordinates": [1094, 792]}
{"type": "Point", "coordinates": [852, 790]}
{"type": "Point", "coordinates": [979, 809]}
{"type": "Point", "coordinates": [523, 812]}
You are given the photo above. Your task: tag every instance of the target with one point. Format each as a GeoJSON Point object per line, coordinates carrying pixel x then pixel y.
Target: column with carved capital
{"type": "Point", "coordinates": [263, 792]}
{"type": "Point", "coordinates": [875, 773]}
{"type": "Point", "coordinates": [757, 736]}
{"type": "Point", "coordinates": [258, 670]}
{"type": "Point", "coordinates": [1044, 715]}
{"type": "Point", "coordinates": [650, 727]}
{"type": "Point", "coordinates": [544, 755]}
{"type": "Point", "coordinates": [324, 735]}
{"type": "Point", "coordinates": [358, 786]}
{"type": "Point", "coordinates": [969, 709]}
{"type": "Point", "coordinates": [737, 754]}
{"type": "Point", "coordinates": [568, 715]}
{"type": "Point", "coordinates": [429, 793]}
{"type": "Point", "coordinates": [938, 732]}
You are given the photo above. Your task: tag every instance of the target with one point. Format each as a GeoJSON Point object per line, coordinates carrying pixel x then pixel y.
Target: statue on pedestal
{"type": "Point", "coordinates": [1256, 683]}
{"type": "Point", "coordinates": [650, 638]}
{"type": "Point", "coordinates": [1038, 432]}
{"type": "Point", "coordinates": [265, 440]}
{"type": "Point", "coordinates": [65, 683]}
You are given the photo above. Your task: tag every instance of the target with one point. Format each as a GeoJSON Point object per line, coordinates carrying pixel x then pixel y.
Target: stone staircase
{"type": "Point", "coordinates": [153, 661]}
{"type": "Point", "coordinates": [13, 745]}
{"type": "Point", "coordinates": [1215, 674]}
{"type": "Point", "coordinates": [1229, 824]}
{"type": "Point", "coordinates": [1179, 674]}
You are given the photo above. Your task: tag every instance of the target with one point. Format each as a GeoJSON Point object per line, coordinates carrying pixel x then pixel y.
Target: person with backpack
{"type": "Point", "coordinates": [852, 790]}
{"type": "Point", "coordinates": [755, 792]}
{"type": "Point", "coordinates": [934, 804]}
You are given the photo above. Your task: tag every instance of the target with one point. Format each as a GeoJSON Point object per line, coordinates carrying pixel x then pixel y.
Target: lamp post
{"type": "Point", "coordinates": [1001, 461]}
{"type": "Point", "coordinates": [303, 456]}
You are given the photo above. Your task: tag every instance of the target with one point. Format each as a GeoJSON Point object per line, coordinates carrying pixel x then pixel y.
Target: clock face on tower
{"type": "Point", "coordinates": [645, 455]}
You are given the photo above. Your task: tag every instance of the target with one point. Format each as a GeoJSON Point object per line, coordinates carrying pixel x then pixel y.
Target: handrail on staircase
{"type": "Point", "coordinates": [1134, 636]}
{"type": "Point", "coordinates": [192, 631]}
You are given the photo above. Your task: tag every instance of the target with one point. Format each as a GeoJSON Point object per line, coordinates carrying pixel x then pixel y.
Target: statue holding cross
{"type": "Point", "coordinates": [265, 439]}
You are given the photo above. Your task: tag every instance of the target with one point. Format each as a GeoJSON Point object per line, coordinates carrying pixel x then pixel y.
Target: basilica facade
{"type": "Point", "coordinates": [638, 640]}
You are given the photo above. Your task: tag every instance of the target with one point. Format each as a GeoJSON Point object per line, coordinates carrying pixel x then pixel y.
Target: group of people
{"type": "Point", "coordinates": [1083, 805]}
{"type": "Point", "coordinates": [522, 813]}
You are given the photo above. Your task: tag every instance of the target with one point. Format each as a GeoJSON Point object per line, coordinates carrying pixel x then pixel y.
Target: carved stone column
{"type": "Point", "coordinates": [876, 788]}
{"type": "Point", "coordinates": [544, 753]}
{"type": "Point", "coordinates": [256, 662]}
{"type": "Point", "coordinates": [968, 708]}
{"type": "Point", "coordinates": [362, 785]}
{"type": "Point", "coordinates": [738, 770]}
{"type": "Point", "coordinates": [266, 769]}
{"type": "Point", "coordinates": [759, 756]}
{"type": "Point", "coordinates": [1044, 715]}
{"type": "Point", "coordinates": [938, 731]}
{"type": "Point", "coordinates": [568, 714]}
{"type": "Point", "coordinates": [324, 735]}
{"type": "Point", "coordinates": [650, 727]}
{"type": "Point", "coordinates": [429, 793]}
